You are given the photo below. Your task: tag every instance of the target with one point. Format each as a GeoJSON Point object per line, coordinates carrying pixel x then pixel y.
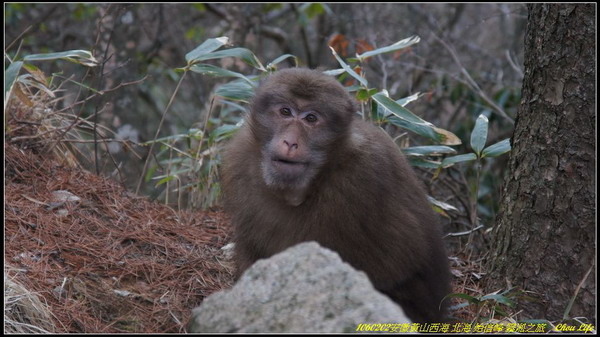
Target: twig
{"type": "Point", "coordinates": [568, 309]}
{"type": "Point", "coordinates": [105, 59]}
{"type": "Point", "coordinates": [471, 82]}
{"type": "Point", "coordinates": [514, 65]}
{"type": "Point", "coordinates": [18, 38]}
{"type": "Point", "coordinates": [465, 232]}
{"type": "Point", "coordinates": [162, 119]}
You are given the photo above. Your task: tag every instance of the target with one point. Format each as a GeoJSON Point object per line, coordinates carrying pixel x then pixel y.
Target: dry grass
{"type": "Point", "coordinates": [24, 311]}
{"type": "Point", "coordinates": [110, 262]}
{"type": "Point", "coordinates": [103, 260]}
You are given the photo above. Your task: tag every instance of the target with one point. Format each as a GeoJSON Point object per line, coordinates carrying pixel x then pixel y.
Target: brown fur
{"type": "Point", "coordinates": [357, 196]}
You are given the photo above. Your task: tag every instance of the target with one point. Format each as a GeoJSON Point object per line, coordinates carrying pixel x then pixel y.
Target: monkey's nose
{"type": "Point", "coordinates": [291, 145]}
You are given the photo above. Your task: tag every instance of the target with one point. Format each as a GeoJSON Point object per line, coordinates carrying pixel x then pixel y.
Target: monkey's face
{"type": "Point", "coordinates": [296, 147]}
{"type": "Point", "coordinates": [298, 116]}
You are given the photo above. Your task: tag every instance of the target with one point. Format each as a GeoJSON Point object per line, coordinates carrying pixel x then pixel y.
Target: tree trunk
{"type": "Point", "coordinates": [544, 240]}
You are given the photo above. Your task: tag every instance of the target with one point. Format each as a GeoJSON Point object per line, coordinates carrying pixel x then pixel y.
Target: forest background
{"type": "Point", "coordinates": [141, 46]}
{"type": "Point", "coordinates": [159, 133]}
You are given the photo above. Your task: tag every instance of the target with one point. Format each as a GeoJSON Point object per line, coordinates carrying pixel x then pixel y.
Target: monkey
{"type": "Point", "coordinates": [305, 167]}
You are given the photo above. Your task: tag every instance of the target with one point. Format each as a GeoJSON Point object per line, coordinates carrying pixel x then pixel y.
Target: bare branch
{"type": "Point", "coordinates": [471, 82]}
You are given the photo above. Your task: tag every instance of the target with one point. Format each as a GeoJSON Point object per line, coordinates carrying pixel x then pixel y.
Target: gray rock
{"type": "Point", "coordinates": [306, 288]}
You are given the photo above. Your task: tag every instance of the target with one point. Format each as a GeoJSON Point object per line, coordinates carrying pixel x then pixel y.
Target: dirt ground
{"type": "Point", "coordinates": [102, 259]}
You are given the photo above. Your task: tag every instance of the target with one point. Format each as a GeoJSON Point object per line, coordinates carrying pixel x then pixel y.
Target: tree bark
{"type": "Point", "coordinates": [544, 239]}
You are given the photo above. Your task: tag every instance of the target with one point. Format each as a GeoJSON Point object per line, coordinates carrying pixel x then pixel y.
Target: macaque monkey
{"type": "Point", "coordinates": [306, 167]}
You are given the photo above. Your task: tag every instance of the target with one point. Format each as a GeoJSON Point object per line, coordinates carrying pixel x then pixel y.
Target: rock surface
{"type": "Point", "coordinates": [306, 288]}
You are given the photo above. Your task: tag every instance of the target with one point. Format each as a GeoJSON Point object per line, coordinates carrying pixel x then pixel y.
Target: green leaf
{"type": "Point", "coordinates": [479, 134]}
{"type": "Point", "coordinates": [224, 131]}
{"type": "Point", "coordinates": [237, 90]}
{"type": "Point", "coordinates": [404, 101]}
{"type": "Point", "coordinates": [448, 137]}
{"type": "Point", "coordinates": [458, 159]}
{"type": "Point", "coordinates": [429, 150]}
{"type": "Point", "coordinates": [164, 180]}
{"type": "Point", "coordinates": [364, 94]}
{"type": "Point", "coordinates": [242, 53]}
{"type": "Point", "coordinates": [10, 76]}
{"type": "Point", "coordinates": [82, 57]}
{"type": "Point", "coordinates": [334, 72]}
{"type": "Point", "coordinates": [281, 58]}
{"type": "Point", "coordinates": [349, 70]}
{"type": "Point", "coordinates": [469, 298]}
{"type": "Point", "coordinates": [500, 299]}
{"type": "Point", "coordinates": [404, 118]}
{"type": "Point", "coordinates": [268, 7]}
{"type": "Point", "coordinates": [207, 69]}
{"type": "Point", "coordinates": [229, 106]}
{"type": "Point", "coordinates": [313, 9]}
{"type": "Point", "coordinates": [397, 109]}
{"type": "Point", "coordinates": [353, 88]}
{"type": "Point", "coordinates": [420, 162]}
{"type": "Point", "coordinates": [396, 46]}
{"type": "Point", "coordinates": [442, 205]}
{"type": "Point", "coordinates": [376, 115]}
{"type": "Point", "coordinates": [206, 47]}
{"type": "Point", "coordinates": [420, 129]}
{"type": "Point", "coordinates": [439, 211]}
{"type": "Point", "coordinates": [497, 149]}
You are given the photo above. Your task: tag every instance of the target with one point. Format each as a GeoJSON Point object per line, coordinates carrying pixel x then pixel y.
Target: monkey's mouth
{"type": "Point", "coordinates": [288, 167]}
{"type": "Point", "coordinates": [287, 161]}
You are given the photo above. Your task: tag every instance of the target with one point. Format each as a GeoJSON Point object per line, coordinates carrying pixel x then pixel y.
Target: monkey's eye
{"type": "Point", "coordinates": [311, 118]}
{"type": "Point", "coordinates": [285, 112]}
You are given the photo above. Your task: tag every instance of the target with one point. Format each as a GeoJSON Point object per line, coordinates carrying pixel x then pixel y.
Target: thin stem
{"type": "Point", "coordinates": [158, 132]}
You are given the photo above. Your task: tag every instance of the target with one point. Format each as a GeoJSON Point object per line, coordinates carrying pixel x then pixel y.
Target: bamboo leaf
{"type": "Point", "coordinates": [421, 162]}
{"type": "Point", "coordinates": [479, 134]}
{"type": "Point", "coordinates": [207, 69]}
{"type": "Point", "coordinates": [349, 70]}
{"type": "Point", "coordinates": [404, 101]}
{"type": "Point", "coordinates": [469, 298]}
{"type": "Point", "coordinates": [206, 47]}
{"type": "Point", "coordinates": [442, 205]}
{"type": "Point", "coordinates": [10, 76]}
{"type": "Point", "coordinates": [458, 159]}
{"type": "Point", "coordinates": [402, 117]}
{"type": "Point", "coordinates": [500, 299]}
{"type": "Point", "coordinates": [242, 53]}
{"type": "Point", "coordinates": [281, 58]}
{"type": "Point", "coordinates": [164, 180]}
{"type": "Point", "coordinates": [448, 138]}
{"type": "Point", "coordinates": [237, 90]}
{"type": "Point", "coordinates": [83, 57]}
{"type": "Point", "coordinates": [364, 94]}
{"type": "Point", "coordinates": [397, 109]}
{"type": "Point", "coordinates": [224, 132]}
{"type": "Point", "coordinates": [429, 150]}
{"type": "Point", "coordinates": [420, 129]}
{"type": "Point", "coordinates": [393, 47]}
{"type": "Point", "coordinates": [497, 149]}
{"type": "Point", "coordinates": [334, 72]}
